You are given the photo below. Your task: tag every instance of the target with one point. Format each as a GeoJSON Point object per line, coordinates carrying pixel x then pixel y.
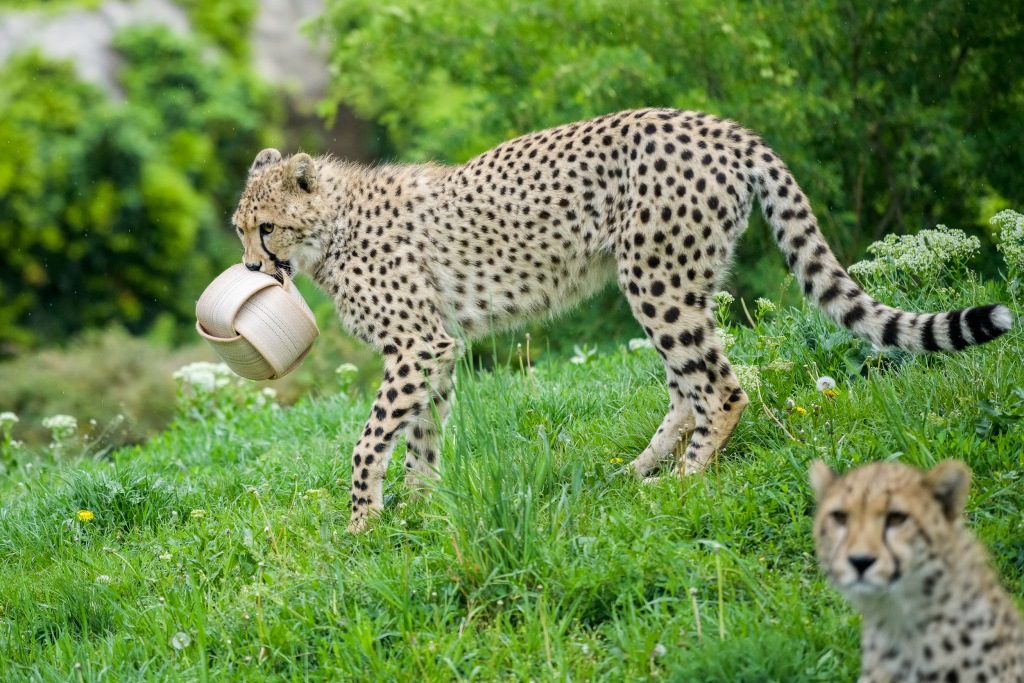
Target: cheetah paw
{"type": "Point", "coordinates": [358, 525]}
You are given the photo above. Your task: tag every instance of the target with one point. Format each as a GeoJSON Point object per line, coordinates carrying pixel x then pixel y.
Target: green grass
{"type": "Point", "coordinates": [218, 550]}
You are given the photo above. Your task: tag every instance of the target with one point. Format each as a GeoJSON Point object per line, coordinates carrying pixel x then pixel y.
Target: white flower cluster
{"type": "Point", "coordinates": [203, 376]}
{"type": "Point", "coordinates": [267, 396]}
{"type": "Point", "coordinates": [924, 255]}
{"type": "Point", "coordinates": [640, 343]}
{"type": "Point", "coordinates": [728, 340]}
{"type": "Point", "coordinates": [749, 377]}
{"type": "Point", "coordinates": [61, 423]}
{"type": "Point", "coordinates": [722, 298]}
{"type": "Point", "coordinates": [8, 419]}
{"type": "Point", "coordinates": [1011, 238]}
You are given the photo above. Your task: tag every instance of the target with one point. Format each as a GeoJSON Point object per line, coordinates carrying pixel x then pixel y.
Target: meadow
{"type": "Point", "coordinates": [217, 549]}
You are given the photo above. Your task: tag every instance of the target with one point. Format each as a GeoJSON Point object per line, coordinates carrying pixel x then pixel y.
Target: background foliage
{"type": "Point", "coordinates": [893, 115]}
{"type": "Point", "coordinates": [117, 211]}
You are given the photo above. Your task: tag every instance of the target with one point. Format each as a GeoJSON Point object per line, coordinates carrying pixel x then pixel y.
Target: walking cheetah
{"type": "Point", "coordinates": [892, 541]}
{"type": "Point", "coordinates": [417, 255]}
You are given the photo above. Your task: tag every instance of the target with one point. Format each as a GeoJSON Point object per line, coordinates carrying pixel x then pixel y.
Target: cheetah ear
{"type": "Point", "coordinates": [302, 169]}
{"type": "Point", "coordinates": [821, 476]}
{"type": "Point", "coordinates": [265, 158]}
{"type": "Point", "coordinates": [948, 482]}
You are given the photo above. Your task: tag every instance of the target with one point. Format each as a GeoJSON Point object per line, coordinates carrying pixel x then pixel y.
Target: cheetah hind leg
{"type": "Point", "coordinates": [423, 447]}
{"type": "Point", "coordinates": [718, 412]}
{"type": "Point", "coordinates": [676, 427]}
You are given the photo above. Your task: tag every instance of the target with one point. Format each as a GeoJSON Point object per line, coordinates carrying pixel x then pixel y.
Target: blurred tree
{"type": "Point", "coordinates": [118, 212]}
{"type": "Point", "coordinates": [891, 112]}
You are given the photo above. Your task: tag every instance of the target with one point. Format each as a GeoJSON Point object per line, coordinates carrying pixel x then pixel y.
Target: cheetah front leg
{"type": "Point", "coordinates": [404, 396]}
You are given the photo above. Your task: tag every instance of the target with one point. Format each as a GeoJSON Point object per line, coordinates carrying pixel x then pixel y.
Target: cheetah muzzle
{"type": "Point", "coordinates": [415, 256]}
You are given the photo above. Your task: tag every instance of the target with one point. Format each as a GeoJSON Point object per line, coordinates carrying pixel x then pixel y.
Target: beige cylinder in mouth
{"type": "Point", "coordinates": [260, 328]}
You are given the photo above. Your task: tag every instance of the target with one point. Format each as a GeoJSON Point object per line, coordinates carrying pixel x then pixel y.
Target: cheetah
{"type": "Point", "coordinates": [419, 257]}
{"type": "Point", "coordinates": [892, 540]}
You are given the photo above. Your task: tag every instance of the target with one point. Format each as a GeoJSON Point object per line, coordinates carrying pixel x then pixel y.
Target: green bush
{"type": "Point", "coordinates": [118, 212]}
{"type": "Point", "coordinates": [893, 116]}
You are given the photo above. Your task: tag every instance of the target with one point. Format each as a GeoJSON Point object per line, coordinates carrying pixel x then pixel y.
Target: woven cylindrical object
{"type": "Point", "coordinates": [261, 328]}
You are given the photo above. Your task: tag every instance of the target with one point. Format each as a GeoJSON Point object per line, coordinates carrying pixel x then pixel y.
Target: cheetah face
{"type": "Point", "coordinates": [276, 212]}
{"type": "Point", "coordinates": [882, 528]}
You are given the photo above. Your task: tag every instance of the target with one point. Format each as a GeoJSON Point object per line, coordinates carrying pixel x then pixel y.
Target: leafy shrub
{"type": "Point", "coordinates": [117, 212]}
{"type": "Point", "coordinates": [877, 116]}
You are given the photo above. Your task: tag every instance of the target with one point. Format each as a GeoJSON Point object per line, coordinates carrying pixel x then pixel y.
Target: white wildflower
{"type": "Point", "coordinates": [7, 418]}
{"type": "Point", "coordinates": [780, 365]}
{"type": "Point", "coordinates": [722, 298]}
{"type": "Point", "coordinates": [197, 514]}
{"type": "Point", "coordinates": [924, 255]}
{"type": "Point", "coordinates": [824, 383]}
{"type": "Point", "coordinates": [639, 343]}
{"type": "Point", "coordinates": [658, 651]}
{"type": "Point", "coordinates": [582, 355]}
{"type": "Point", "coordinates": [765, 305]}
{"type": "Point", "coordinates": [62, 424]}
{"type": "Point", "coordinates": [749, 377]}
{"type": "Point", "coordinates": [728, 340]}
{"type": "Point", "coordinates": [203, 376]}
{"type": "Point", "coordinates": [346, 370]}
{"type": "Point", "coordinates": [1011, 238]}
{"type": "Point", "coordinates": [103, 578]}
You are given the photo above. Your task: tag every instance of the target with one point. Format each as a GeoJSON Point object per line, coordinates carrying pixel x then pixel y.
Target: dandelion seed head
{"type": "Point", "coordinates": [825, 382]}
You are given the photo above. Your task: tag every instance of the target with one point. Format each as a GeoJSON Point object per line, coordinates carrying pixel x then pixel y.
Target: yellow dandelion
{"type": "Point", "coordinates": [85, 516]}
{"type": "Point", "coordinates": [831, 393]}
{"type": "Point", "coordinates": [615, 461]}
{"type": "Point", "coordinates": [799, 410]}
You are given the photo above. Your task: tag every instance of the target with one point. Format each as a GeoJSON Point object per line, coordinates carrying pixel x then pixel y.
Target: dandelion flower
{"type": "Point", "coordinates": [85, 516]}
{"type": "Point", "coordinates": [799, 410]}
{"type": "Point", "coordinates": [615, 461]}
{"type": "Point", "coordinates": [825, 383]}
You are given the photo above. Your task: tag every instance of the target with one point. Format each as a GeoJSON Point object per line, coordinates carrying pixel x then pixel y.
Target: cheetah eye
{"type": "Point", "coordinates": [839, 517]}
{"type": "Point", "coordinates": [266, 228]}
{"type": "Point", "coordinates": [894, 519]}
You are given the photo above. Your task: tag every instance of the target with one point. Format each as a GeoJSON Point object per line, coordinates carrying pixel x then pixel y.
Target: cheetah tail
{"type": "Point", "coordinates": [828, 285]}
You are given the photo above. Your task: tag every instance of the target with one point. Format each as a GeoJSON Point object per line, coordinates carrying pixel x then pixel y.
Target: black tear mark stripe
{"type": "Point", "coordinates": [286, 266]}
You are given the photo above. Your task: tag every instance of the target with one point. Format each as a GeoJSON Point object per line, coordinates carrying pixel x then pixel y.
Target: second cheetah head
{"type": "Point", "coordinates": [280, 215]}
{"type": "Point", "coordinates": [885, 528]}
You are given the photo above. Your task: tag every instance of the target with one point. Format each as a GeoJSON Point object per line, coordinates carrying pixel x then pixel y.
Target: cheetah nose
{"type": "Point", "coordinates": [253, 266]}
{"type": "Point", "coordinates": [861, 563]}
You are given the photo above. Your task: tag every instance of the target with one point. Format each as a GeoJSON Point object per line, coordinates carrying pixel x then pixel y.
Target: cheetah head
{"type": "Point", "coordinates": [882, 528]}
{"type": "Point", "coordinates": [278, 214]}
